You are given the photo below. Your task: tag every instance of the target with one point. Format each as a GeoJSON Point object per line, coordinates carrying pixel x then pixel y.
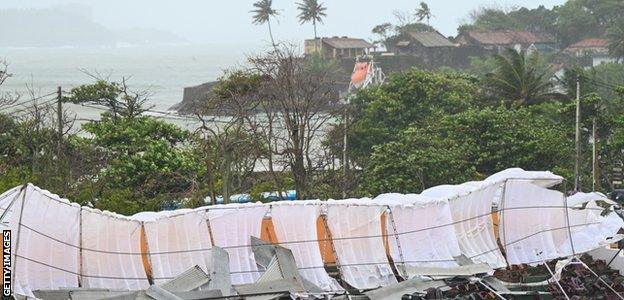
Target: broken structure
{"type": "Point", "coordinates": [511, 218]}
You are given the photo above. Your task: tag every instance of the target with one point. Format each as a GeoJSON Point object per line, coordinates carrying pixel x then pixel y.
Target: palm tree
{"type": "Point", "coordinates": [520, 77]}
{"type": "Point", "coordinates": [423, 12]}
{"type": "Point", "coordinates": [262, 14]}
{"type": "Point", "coordinates": [311, 10]}
{"type": "Point", "coordinates": [616, 41]}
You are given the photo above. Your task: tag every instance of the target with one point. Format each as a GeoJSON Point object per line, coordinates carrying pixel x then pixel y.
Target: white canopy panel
{"type": "Point", "coordinates": [177, 243]}
{"type": "Point", "coordinates": [231, 226]}
{"type": "Point", "coordinates": [355, 226]}
{"type": "Point", "coordinates": [424, 235]}
{"type": "Point", "coordinates": [111, 255]}
{"type": "Point", "coordinates": [303, 241]}
{"type": "Point", "coordinates": [471, 208]}
{"type": "Point", "coordinates": [45, 253]}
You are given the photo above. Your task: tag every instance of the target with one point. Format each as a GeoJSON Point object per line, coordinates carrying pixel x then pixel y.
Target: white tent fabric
{"type": "Point", "coordinates": [539, 224]}
{"type": "Point", "coordinates": [177, 243]}
{"type": "Point", "coordinates": [471, 207]}
{"type": "Point", "coordinates": [49, 231]}
{"type": "Point", "coordinates": [539, 178]}
{"type": "Point", "coordinates": [45, 253]}
{"type": "Point", "coordinates": [111, 255]}
{"type": "Point", "coordinates": [231, 226]}
{"type": "Point", "coordinates": [533, 222]}
{"type": "Point", "coordinates": [303, 241]}
{"type": "Point", "coordinates": [579, 199]}
{"type": "Point", "coordinates": [424, 231]}
{"type": "Point", "coordinates": [5, 201]}
{"type": "Point", "coordinates": [589, 229]}
{"type": "Point", "coordinates": [355, 226]}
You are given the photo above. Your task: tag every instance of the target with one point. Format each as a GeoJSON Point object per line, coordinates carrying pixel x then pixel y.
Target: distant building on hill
{"type": "Point", "coordinates": [594, 48]}
{"type": "Point", "coordinates": [503, 39]}
{"type": "Point", "coordinates": [338, 47]}
{"type": "Point", "coordinates": [430, 46]}
{"type": "Point", "coordinates": [420, 43]}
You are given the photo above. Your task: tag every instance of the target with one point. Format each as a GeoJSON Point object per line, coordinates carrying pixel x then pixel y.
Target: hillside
{"type": "Point", "coordinates": [58, 27]}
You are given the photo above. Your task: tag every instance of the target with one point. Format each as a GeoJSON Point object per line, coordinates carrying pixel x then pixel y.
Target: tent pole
{"type": "Point", "coordinates": [398, 242]}
{"type": "Point", "coordinates": [19, 227]}
{"type": "Point", "coordinates": [80, 277]}
{"type": "Point", "coordinates": [11, 203]}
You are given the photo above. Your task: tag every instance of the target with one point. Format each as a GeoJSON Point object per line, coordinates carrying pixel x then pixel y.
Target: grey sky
{"type": "Point", "coordinates": [229, 21]}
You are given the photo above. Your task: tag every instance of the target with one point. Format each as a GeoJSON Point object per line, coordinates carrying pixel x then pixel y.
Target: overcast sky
{"type": "Point", "coordinates": [229, 21]}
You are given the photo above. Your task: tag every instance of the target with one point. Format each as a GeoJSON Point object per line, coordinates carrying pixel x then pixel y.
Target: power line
{"type": "Point", "coordinates": [18, 113]}
{"type": "Point", "coordinates": [506, 245]}
{"type": "Point", "coordinates": [488, 214]}
{"type": "Point", "coordinates": [26, 101]}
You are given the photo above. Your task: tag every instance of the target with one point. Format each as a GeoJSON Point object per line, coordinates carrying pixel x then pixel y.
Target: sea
{"type": "Point", "coordinates": [162, 70]}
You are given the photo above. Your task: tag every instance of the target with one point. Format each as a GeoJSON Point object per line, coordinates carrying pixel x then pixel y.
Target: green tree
{"type": "Point", "coordinates": [383, 31]}
{"type": "Point", "coordinates": [423, 12]}
{"type": "Point", "coordinates": [263, 13]}
{"type": "Point", "coordinates": [489, 18]}
{"type": "Point", "coordinates": [466, 146]}
{"type": "Point", "coordinates": [311, 11]}
{"type": "Point", "coordinates": [146, 156]}
{"type": "Point", "coordinates": [616, 41]}
{"type": "Point", "coordinates": [381, 113]}
{"type": "Point", "coordinates": [121, 101]}
{"type": "Point", "coordinates": [521, 78]}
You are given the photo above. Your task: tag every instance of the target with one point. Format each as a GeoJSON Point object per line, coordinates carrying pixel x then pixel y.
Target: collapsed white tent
{"type": "Point", "coordinates": [471, 208]}
{"type": "Point", "coordinates": [355, 226]}
{"type": "Point", "coordinates": [420, 231]}
{"type": "Point", "coordinates": [61, 245]}
{"type": "Point", "coordinates": [46, 239]}
{"type": "Point", "coordinates": [303, 242]}
{"type": "Point", "coordinates": [111, 251]}
{"type": "Point", "coordinates": [177, 243]}
{"type": "Point", "coordinates": [231, 226]}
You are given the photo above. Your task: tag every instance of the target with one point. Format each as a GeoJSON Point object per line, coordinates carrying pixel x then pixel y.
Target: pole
{"type": "Point", "coordinates": [59, 151]}
{"type": "Point", "coordinates": [577, 135]}
{"type": "Point", "coordinates": [59, 115]}
{"type": "Point", "coordinates": [345, 159]}
{"type": "Point", "coordinates": [595, 174]}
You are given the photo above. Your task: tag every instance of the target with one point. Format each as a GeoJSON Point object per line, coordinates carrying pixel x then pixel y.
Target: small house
{"type": "Point", "coordinates": [499, 40]}
{"type": "Point", "coordinates": [421, 43]}
{"type": "Point", "coordinates": [594, 48]}
{"type": "Point", "coordinates": [338, 47]}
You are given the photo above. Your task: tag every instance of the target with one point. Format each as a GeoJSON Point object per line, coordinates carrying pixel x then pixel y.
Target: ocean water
{"type": "Point", "coordinates": [164, 71]}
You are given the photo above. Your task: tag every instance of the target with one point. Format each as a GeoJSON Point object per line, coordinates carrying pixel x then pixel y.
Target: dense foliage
{"type": "Point", "coordinates": [570, 22]}
{"type": "Point", "coordinates": [419, 129]}
{"type": "Point", "coordinates": [408, 98]}
{"type": "Point", "coordinates": [466, 146]}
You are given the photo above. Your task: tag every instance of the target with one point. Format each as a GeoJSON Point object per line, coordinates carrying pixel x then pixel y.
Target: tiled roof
{"type": "Point", "coordinates": [590, 43]}
{"type": "Point", "coordinates": [431, 39]}
{"type": "Point", "coordinates": [346, 43]}
{"type": "Point", "coordinates": [509, 37]}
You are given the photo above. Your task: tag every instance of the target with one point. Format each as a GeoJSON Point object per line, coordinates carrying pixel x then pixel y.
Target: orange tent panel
{"type": "Point", "coordinates": [324, 241]}
{"type": "Point", "coordinates": [267, 233]}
